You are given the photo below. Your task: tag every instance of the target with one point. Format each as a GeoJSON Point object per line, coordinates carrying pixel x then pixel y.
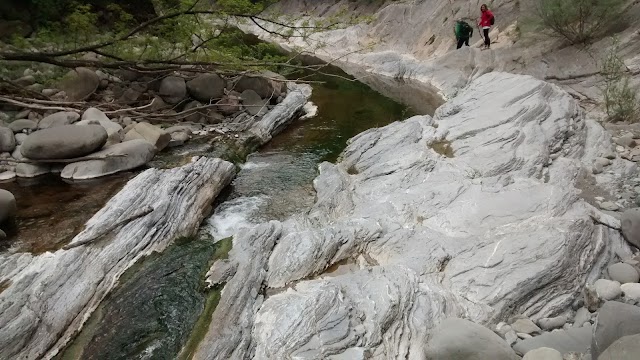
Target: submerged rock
{"type": "Point", "coordinates": [490, 232]}
{"type": "Point", "coordinates": [7, 205]}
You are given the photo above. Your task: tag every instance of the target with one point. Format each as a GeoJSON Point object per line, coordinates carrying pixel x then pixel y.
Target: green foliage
{"type": "Point", "coordinates": [579, 21]}
{"type": "Point", "coordinates": [620, 98]}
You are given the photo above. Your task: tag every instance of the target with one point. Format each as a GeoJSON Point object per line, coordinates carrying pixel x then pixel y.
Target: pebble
{"type": "Point", "coordinates": [620, 148]}
{"type": "Point", "coordinates": [511, 337]}
{"type": "Point", "coordinates": [631, 291]}
{"type": "Point", "coordinates": [524, 336]}
{"type": "Point", "coordinates": [552, 323]}
{"type": "Point", "coordinates": [525, 326]}
{"type": "Point", "coordinates": [610, 206]}
{"type": "Point", "coordinates": [607, 289]}
{"type": "Point", "coordinates": [623, 273]}
{"type": "Point", "coordinates": [599, 198]}
{"type": "Point", "coordinates": [502, 328]}
{"type": "Point", "coordinates": [543, 354]}
{"type": "Point", "coordinates": [582, 316]}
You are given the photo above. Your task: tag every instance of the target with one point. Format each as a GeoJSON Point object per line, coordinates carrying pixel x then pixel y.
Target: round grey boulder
{"type": "Point", "coordinates": [623, 273]}
{"type": "Point", "coordinates": [459, 339]}
{"type": "Point", "coordinates": [64, 142]}
{"type": "Point", "coordinates": [252, 102]}
{"type": "Point", "coordinates": [607, 289]}
{"type": "Point", "coordinates": [80, 83]}
{"type": "Point", "coordinates": [625, 348]}
{"type": "Point", "coordinates": [7, 205]}
{"type": "Point", "coordinates": [173, 89]}
{"type": "Point", "coordinates": [615, 320]}
{"type": "Point", "coordinates": [136, 153]}
{"type": "Point", "coordinates": [631, 226]}
{"type": "Point", "coordinates": [7, 140]}
{"type": "Point", "coordinates": [23, 124]}
{"type": "Point", "coordinates": [59, 119]}
{"type": "Point", "coordinates": [205, 87]}
{"type": "Point", "coordinates": [631, 291]}
{"type": "Point", "coordinates": [543, 354]}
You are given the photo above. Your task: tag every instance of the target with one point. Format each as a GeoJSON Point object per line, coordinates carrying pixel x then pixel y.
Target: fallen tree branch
{"type": "Point", "coordinates": [34, 106]}
{"type": "Point", "coordinates": [136, 215]}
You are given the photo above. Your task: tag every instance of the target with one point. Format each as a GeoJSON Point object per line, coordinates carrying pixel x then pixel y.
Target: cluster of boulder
{"type": "Point", "coordinates": [90, 144]}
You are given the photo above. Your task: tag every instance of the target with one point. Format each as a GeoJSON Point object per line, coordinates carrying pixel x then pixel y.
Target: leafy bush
{"type": "Point", "coordinates": [579, 21]}
{"type": "Point", "coordinates": [620, 98]}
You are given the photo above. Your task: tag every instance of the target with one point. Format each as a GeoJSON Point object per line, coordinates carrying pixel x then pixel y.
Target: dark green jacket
{"type": "Point", "coordinates": [463, 30]}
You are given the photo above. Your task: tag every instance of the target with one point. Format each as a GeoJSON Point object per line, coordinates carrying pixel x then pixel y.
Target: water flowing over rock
{"type": "Point", "coordinates": [493, 228]}
{"type": "Point", "coordinates": [51, 295]}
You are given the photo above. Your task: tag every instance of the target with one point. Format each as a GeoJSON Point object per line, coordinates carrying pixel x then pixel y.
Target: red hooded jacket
{"type": "Point", "coordinates": [485, 19]}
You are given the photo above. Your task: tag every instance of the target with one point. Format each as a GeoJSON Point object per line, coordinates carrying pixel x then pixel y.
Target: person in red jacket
{"type": "Point", "coordinates": [486, 20]}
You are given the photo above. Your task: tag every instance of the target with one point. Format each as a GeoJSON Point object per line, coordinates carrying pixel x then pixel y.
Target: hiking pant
{"type": "Point", "coordinates": [487, 41]}
{"type": "Point", "coordinates": [462, 41]}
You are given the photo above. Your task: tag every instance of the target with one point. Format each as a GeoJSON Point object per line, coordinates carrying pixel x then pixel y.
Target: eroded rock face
{"type": "Point", "coordinates": [49, 296]}
{"type": "Point", "coordinates": [489, 230]}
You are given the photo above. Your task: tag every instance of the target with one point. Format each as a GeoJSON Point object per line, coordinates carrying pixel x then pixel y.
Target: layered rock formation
{"type": "Point", "coordinates": [476, 213]}
{"type": "Point", "coordinates": [46, 299]}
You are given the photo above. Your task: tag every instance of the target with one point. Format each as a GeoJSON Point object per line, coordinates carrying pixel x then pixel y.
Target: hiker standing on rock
{"type": "Point", "coordinates": [463, 33]}
{"type": "Point", "coordinates": [486, 20]}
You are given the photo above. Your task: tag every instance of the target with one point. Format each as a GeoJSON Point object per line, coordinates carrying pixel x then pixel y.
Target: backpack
{"type": "Point", "coordinates": [493, 19]}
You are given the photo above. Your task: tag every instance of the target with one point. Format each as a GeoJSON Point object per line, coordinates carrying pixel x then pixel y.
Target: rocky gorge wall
{"type": "Point", "coordinates": [414, 39]}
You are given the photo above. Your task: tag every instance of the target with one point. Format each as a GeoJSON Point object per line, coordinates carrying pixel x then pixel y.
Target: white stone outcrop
{"type": "Point", "coordinates": [48, 297]}
{"type": "Point", "coordinates": [494, 229]}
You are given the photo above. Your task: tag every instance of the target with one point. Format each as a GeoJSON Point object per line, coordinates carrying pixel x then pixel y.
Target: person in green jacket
{"type": "Point", "coordinates": [463, 32]}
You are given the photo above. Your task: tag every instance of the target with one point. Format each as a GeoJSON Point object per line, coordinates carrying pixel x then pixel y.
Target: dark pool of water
{"type": "Point", "coordinates": [51, 211]}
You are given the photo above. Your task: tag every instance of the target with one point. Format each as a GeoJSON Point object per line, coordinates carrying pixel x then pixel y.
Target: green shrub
{"type": "Point", "coordinates": [620, 98]}
{"type": "Point", "coordinates": [579, 21]}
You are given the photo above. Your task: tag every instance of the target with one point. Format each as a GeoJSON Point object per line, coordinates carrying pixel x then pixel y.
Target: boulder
{"type": "Point", "coordinates": [525, 326]}
{"type": "Point", "coordinates": [623, 273]}
{"type": "Point", "coordinates": [95, 116]}
{"type": "Point", "coordinates": [59, 119]}
{"type": "Point", "coordinates": [459, 339]}
{"type": "Point", "coordinates": [32, 170]}
{"type": "Point", "coordinates": [631, 291]}
{"type": "Point", "coordinates": [80, 83]}
{"type": "Point", "coordinates": [7, 140]}
{"type": "Point", "coordinates": [118, 157]}
{"type": "Point", "coordinates": [543, 354]}
{"type": "Point", "coordinates": [64, 142]}
{"type": "Point", "coordinates": [206, 87]}
{"type": "Point", "coordinates": [614, 321]}
{"type": "Point", "coordinates": [552, 323]}
{"type": "Point", "coordinates": [26, 80]}
{"type": "Point", "coordinates": [20, 138]}
{"type": "Point", "coordinates": [252, 102]}
{"type": "Point", "coordinates": [631, 226]}
{"type": "Point", "coordinates": [173, 89]}
{"type": "Point", "coordinates": [565, 341]}
{"type": "Point", "coordinates": [195, 116]}
{"type": "Point", "coordinates": [8, 206]}
{"type": "Point", "coordinates": [263, 84]}
{"type": "Point", "coordinates": [229, 104]}
{"type": "Point", "coordinates": [152, 134]}
{"type": "Point", "coordinates": [625, 348]}
{"type": "Point", "coordinates": [582, 316]}
{"type": "Point", "coordinates": [22, 125]}
{"type": "Point", "coordinates": [158, 104]}
{"type": "Point", "coordinates": [607, 289]}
